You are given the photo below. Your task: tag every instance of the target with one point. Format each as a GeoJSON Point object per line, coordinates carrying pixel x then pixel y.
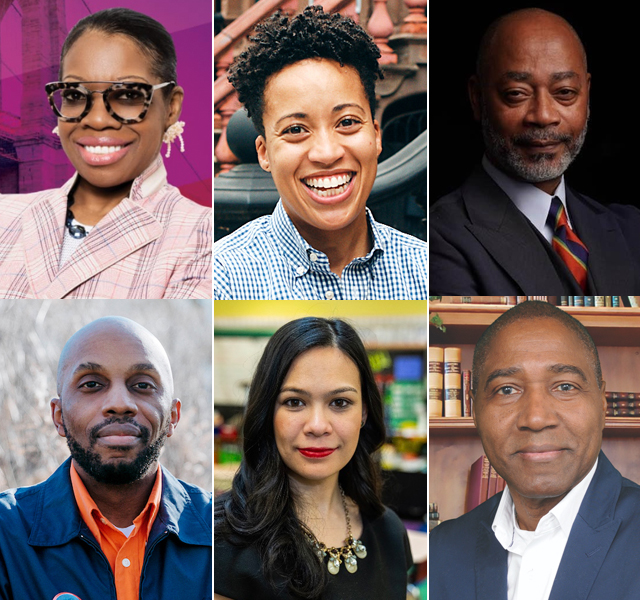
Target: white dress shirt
{"type": "Point", "coordinates": [531, 201]}
{"type": "Point", "coordinates": [534, 556]}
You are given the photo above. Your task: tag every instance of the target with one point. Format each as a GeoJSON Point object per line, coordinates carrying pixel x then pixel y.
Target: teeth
{"type": "Point", "coordinates": [331, 191]}
{"type": "Point", "coordinates": [102, 149]}
{"type": "Point", "coordinates": [327, 183]}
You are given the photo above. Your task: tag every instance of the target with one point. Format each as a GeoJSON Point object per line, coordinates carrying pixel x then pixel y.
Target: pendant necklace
{"type": "Point", "coordinates": [339, 554]}
{"type": "Point", "coordinates": [76, 231]}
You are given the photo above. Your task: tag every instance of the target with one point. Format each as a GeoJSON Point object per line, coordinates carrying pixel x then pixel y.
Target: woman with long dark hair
{"type": "Point", "coordinates": [116, 229]}
{"type": "Point", "coordinates": [304, 518]}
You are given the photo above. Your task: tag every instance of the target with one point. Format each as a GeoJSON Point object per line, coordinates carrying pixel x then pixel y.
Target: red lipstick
{"type": "Point", "coordinates": [316, 452]}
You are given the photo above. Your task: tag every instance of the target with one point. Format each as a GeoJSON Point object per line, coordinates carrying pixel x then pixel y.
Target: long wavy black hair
{"type": "Point", "coordinates": [260, 508]}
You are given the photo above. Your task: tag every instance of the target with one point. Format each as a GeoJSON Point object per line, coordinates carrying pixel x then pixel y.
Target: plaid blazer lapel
{"type": "Point", "coordinates": [42, 234]}
{"type": "Point", "coordinates": [125, 229]}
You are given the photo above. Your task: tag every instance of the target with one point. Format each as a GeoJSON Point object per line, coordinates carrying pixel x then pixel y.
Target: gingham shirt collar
{"type": "Point", "coordinates": [304, 257]}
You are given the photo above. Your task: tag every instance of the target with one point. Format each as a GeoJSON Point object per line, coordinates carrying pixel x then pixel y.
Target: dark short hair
{"type": "Point", "coordinates": [150, 36]}
{"type": "Point", "coordinates": [280, 41]}
{"type": "Point", "coordinates": [529, 310]}
{"type": "Point", "coordinates": [260, 509]}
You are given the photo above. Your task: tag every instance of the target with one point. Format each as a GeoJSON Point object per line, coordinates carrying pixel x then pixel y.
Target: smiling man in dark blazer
{"type": "Point", "coordinates": [567, 526]}
{"type": "Point", "coordinates": [515, 227]}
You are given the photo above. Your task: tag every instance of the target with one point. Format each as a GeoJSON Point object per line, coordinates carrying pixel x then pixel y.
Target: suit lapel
{"type": "Point", "coordinates": [508, 237]}
{"type": "Point", "coordinates": [125, 229]}
{"type": "Point", "coordinates": [491, 565]}
{"type": "Point", "coordinates": [43, 231]}
{"type": "Point", "coordinates": [610, 266]}
{"type": "Point", "coordinates": [591, 535]}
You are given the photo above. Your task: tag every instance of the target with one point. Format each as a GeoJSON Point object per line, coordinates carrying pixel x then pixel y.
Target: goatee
{"type": "Point", "coordinates": [121, 472]}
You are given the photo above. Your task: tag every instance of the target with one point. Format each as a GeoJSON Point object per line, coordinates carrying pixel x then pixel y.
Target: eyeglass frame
{"type": "Point", "coordinates": [148, 88]}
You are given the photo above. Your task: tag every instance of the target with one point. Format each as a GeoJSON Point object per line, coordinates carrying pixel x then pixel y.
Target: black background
{"type": "Point", "coordinates": [607, 166]}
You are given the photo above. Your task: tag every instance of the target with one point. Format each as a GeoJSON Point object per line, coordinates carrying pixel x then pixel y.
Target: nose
{"type": "Point", "coordinates": [99, 117]}
{"type": "Point", "coordinates": [326, 148]}
{"type": "Point", "coordinates": [118, 401]}
{"type": "Point", "coordinates": [543, 110]}
{"type": "Point", "coordinates": [537, 411]}
{"type": "Point", "coordinates": [318, 422]}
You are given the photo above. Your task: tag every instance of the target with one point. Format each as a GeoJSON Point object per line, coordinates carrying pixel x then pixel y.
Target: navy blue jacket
{"type": "Point", "coordinates": [46, 548]}
{"type": "Point", "coordinates": [601, 560]}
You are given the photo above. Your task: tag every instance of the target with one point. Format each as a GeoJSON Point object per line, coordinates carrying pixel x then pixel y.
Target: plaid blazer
{"type": "Point", "coordinates": [154, 244]}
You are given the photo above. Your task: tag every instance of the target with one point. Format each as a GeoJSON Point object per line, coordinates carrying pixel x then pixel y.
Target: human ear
{"type": "Point", "coordinates": [56, 416]}
{"type": "Point", "coordinates": [263, 156]}
{"type": "Point", "coordinates": [176, 405]}
{"type": "Point", "coordinates": [475, 97]}
{"type": "Point", "coordinates": [376, 126]}
{"type": "Point", "coordinates": [174, 106]}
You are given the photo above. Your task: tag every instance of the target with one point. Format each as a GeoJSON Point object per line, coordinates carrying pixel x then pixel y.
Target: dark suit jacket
{"type": "Point", "coordinates": [601, 560]}
{"type": "Point", "coordinates": [481, 244]}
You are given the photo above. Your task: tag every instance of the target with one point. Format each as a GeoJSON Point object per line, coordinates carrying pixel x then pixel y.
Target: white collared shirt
{"type": "Point", "coordinates": [531, 201]}
{"type": "Point", "coordinates": [534, 556]}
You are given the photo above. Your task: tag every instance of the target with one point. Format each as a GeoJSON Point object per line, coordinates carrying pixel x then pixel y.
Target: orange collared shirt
{"type": "Point", "coordinates": [125, 554]}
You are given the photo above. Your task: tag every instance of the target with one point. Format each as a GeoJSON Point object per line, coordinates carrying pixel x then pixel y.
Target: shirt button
{"type": "Point", "coordinates": [313, 257]}
{"type": "Point", "coordinates": [328, 295]}
{"type": "Point", "coordinates": [300, 270]}
{"type": "Point", "coordinates": [126, 562]}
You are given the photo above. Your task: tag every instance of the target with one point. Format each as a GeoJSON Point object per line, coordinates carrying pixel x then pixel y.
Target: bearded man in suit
{"type": "Point", "coordinates": [515, 227]}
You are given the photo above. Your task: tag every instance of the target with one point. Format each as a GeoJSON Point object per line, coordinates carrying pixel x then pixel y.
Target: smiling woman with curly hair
{"type": "Point", "coordinates": [308, 84]}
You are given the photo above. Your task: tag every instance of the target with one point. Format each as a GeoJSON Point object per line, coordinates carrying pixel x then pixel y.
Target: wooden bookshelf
{"type": "Point", "coordinates": [454, 443]}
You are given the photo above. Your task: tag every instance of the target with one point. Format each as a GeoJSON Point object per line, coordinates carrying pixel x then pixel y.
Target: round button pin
{"type": "Point", "coordinates": [66, 596]}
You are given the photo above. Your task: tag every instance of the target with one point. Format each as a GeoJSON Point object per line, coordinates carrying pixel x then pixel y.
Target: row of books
{"type": "Point", "coordinates": [449, 385]}
{"type": "Point", "coordinates": [483, 483]}
{"type": "Point", "coordinates": [623, 404]}
{"type": "Point", "coordinates": [596, 301]}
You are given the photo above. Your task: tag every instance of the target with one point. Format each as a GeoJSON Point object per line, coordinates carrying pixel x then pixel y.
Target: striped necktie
{"type": "Point", "coordinates": [567, 244]}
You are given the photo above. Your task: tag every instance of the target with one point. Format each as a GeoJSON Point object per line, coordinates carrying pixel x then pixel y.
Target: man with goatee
{"type": "Point", "coordinates": [515, 227]}
{"type": "Point", "coordinates": [110, 523]}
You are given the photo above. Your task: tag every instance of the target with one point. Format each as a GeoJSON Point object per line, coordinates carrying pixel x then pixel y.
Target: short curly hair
{"type": "Point", "coordinates": [280, 41]}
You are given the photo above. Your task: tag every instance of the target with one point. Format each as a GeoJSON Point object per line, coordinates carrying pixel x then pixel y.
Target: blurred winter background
{"type": "Point", "coordinates": [32, 334]}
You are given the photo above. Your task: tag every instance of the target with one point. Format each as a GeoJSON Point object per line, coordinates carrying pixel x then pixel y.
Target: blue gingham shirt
{"type": "Point", "coordinates": [267, 259]}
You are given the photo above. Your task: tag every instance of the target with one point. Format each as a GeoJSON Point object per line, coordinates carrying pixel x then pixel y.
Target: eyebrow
{"type": "Point", "coordinates": [525, 76]}
{"type": "Point", "coordinates": [501, 373]}
{"type": "Point", "coordinates": [298, 115]}
{"type": "Point", "coordinates": [560, 368]}
{"type": "Point", "coordinates": [335, 109]}
{"type": "Point", "coordinates": [81, 79]}
{"type": "Point", "coordinates": [302, 392]}
{"type": "Point", "coordinates": [88, 366]}
{"type": "Point", "coordinates": [137, 368]}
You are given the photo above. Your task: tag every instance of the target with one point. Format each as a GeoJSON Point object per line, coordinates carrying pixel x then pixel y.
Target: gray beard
{"type": "Point", "coordinates": [543, 167]}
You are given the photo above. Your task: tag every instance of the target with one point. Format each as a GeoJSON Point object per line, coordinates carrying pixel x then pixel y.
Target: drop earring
{"type": "Point", "coordinates": [173, 131]}
{"type": "Point", "coordinates": [56, 131]}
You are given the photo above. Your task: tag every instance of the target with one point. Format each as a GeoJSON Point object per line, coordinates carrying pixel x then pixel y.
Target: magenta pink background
{"type": "Point", "coordinates": [189, 23]}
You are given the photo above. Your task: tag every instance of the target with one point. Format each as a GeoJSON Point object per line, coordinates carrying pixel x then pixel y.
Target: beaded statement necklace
{"type": "Point", "coordinates": [339, 554]}
{"type": "Point", "coordinates": [76, 231]}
